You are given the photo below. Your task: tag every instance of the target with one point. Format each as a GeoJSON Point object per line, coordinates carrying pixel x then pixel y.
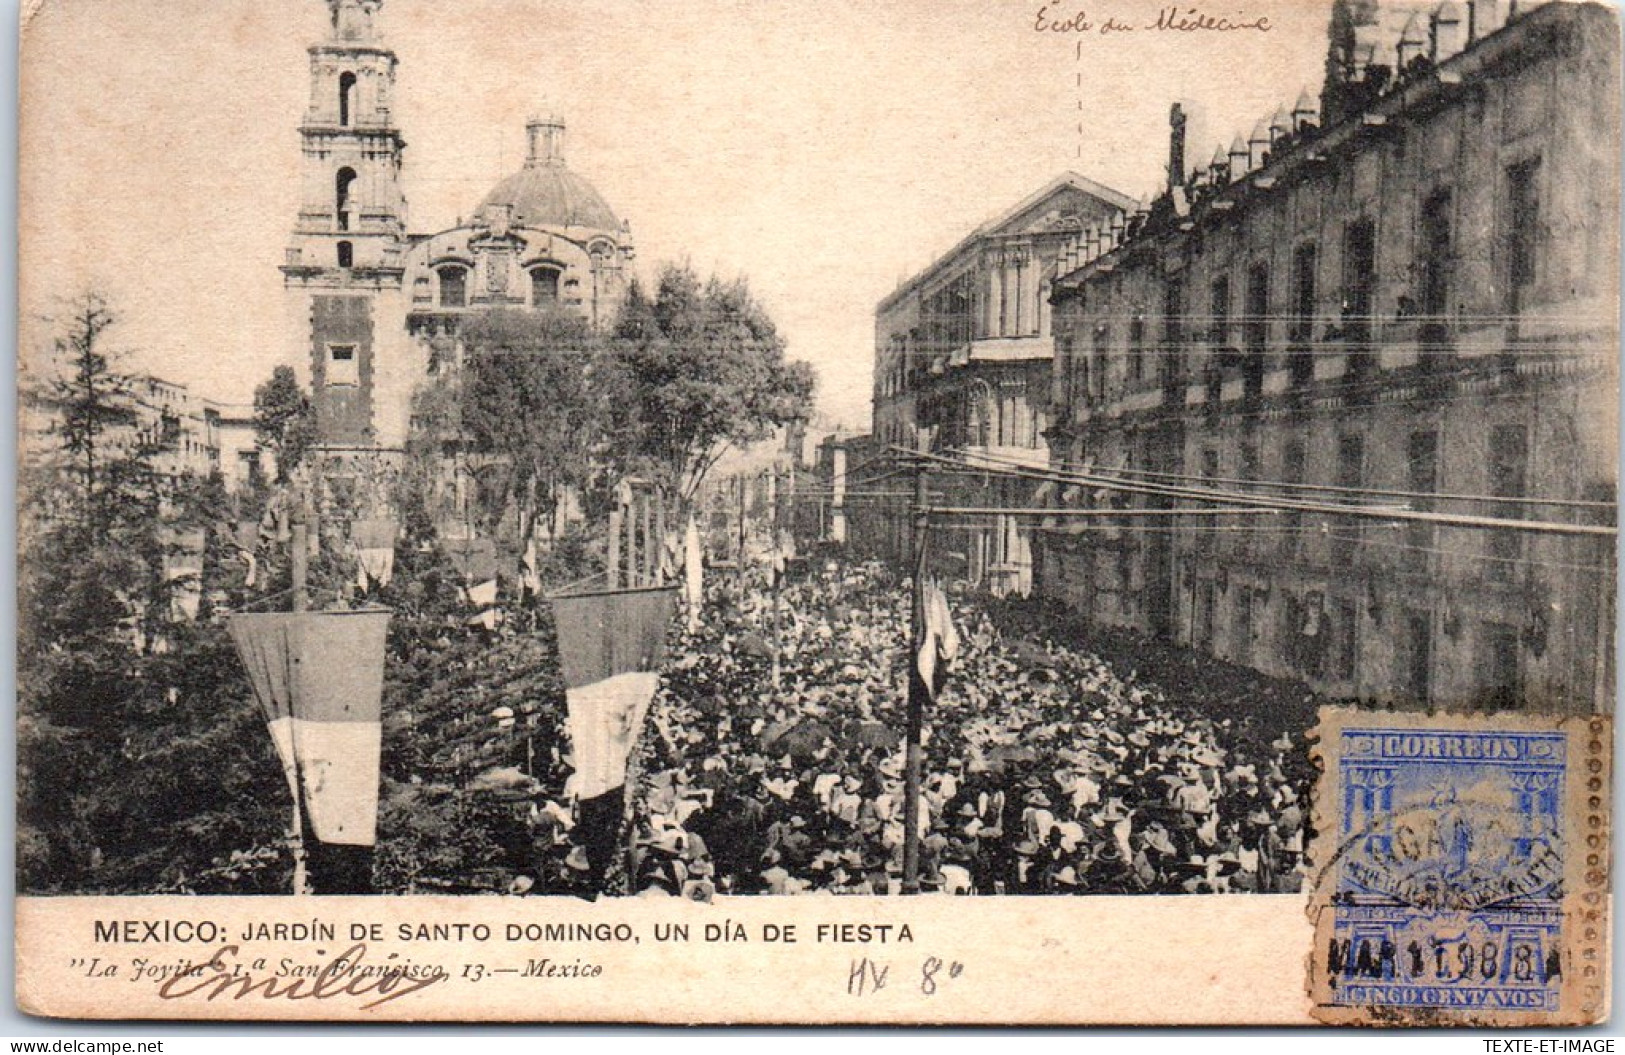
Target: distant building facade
{"type": "Point", "coordinates": [1403, 295]}
{"type": "Point", "coordinates": [962, 364]}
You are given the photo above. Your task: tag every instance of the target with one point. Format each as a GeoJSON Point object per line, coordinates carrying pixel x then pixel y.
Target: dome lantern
{"type": "Point", "coordinates": [545, 193]}
{"type": "Point", "coordinates": [546, 137]}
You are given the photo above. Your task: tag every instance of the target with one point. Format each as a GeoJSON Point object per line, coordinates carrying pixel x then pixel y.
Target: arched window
{"type": "Point", "coordinates": [544, 286]}
{"type": "Point", "coordinates": [453, 286]}
{"type": "Point", "coordinates": [346, 254]}
{"type": "Point", "coordinates": [341, 196]}
{"type": "Point", "coordinates": [346, 97]}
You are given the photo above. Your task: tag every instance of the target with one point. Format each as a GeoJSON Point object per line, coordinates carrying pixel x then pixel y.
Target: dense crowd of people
{"type": "Point", "coordinates": [1045, 770]}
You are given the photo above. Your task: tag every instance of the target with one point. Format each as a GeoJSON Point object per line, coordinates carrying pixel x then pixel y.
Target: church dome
{"type": "Point", "coordinates": [547, 194]}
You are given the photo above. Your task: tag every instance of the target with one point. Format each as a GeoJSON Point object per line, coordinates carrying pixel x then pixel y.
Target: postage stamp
{"type": "Point", "coordinates": [1460, 869]}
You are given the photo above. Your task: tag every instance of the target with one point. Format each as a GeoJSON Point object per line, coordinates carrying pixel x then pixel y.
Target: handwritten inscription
{"type": "Point", "coordinates": [1173, 19]}
{"type": "Point", "coordinates": [347, 975]}
{"type": "Point", "coordinates": [868, 977]}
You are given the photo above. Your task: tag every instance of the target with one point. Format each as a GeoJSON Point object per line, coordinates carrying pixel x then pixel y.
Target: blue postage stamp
{"type": "Point", "coordinates": [1445, 895]}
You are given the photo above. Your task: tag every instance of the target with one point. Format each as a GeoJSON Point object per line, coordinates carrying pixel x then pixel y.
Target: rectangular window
{"type": "Point", "coordinates": [1249, 460]}
{"type": "Point", "coordinates": [1436, 264]}
{"type": "Point", "coordinates": [1103, 340]}
{"type": "Point", "coordinates": [1303, 314]}
{"type": "Point", "coordinates": [342, 368]}
{"type": "Point", "coordinates": [1422, 478]}
{"type": "Point", "coordinates": [1173, 341]}
{"type": "Point", "coordinates": [453, 287]}
{"type": "Point", "coordinates": [1498, 660]}
{"type": "Point", "coordinates": [1247, 470]}
{"type": "Point", "coordinates": [1347, 630]}
{"type": "Point", "coordinates": [1210, 470]}
{"type": "Point", "coordinates": [1257, 328]}
{"type": "Point", "coordinates": [1522, 226]}
{"type": "Point", "coordinates": [1292, 465]}
{"type": "Point", "coordinates": [248, 463]}
{"type": "Point", "coordinates": [1359, 294]}
{"type": "Point", "coordinates": [1419, 656]}
{"type": "Point", "coordinates": [1218, 338]}
{"type": "Point", "coordinates": [1509, 465]}
{"type": "Point", "coordinates": [1136, 348]}
{"type": "Point", "coordinates": [1242, 633]}
{"type": "Point", "coordinates": [1350, 470]}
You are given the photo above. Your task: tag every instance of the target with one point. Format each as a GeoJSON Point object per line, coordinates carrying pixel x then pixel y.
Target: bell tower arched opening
{"type": "Point", "coordinates": [346, 98]}
{"type": "Point", "coordinates": [341, 196]}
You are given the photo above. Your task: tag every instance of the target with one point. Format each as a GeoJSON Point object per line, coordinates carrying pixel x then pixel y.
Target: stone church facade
{"type": "Point", "coordinates": [373, 308]}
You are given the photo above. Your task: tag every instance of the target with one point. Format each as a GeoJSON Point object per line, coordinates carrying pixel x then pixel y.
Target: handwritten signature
{"type": "Point", "coordinates": [346, 975]}
{"type": "Point", "coordinates": [1169, 19]}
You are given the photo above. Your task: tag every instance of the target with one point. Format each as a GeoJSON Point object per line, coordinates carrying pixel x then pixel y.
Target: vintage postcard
{"type": "Point", "coordinates": [974, 512]}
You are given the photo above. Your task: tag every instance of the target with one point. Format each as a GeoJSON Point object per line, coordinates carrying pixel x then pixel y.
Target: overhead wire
{"type": "Point", "coordinates": [1329, 488]}
{"type": "Point", "coordinates": [1235, 498]}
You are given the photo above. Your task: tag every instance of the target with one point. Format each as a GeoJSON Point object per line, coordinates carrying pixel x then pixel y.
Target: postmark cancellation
{"type": "Point", "coordinates": [1460, 869]}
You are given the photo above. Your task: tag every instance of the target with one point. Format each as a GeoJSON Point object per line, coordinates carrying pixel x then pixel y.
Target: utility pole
{"type": "Point", "coordinates": [613, 560]}
{"type": "Point", "coordinates": [780, 562]}
{"type": "Point", "coordinates": [744, 490]}
{"type": "Point", "coordinates": [298, 562]}
{"type": "Point", "coordinates": [299, 557]}
{"type": "Point", "coordinates": [917, 693]}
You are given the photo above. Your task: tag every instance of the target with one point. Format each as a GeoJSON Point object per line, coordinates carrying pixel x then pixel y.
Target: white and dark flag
{"type": "Point", "coordinates": [319, 677]}
{"type": "Point", "coordinates": [610, 648]}
{"type": "Point", "coordinates": [939, 643]}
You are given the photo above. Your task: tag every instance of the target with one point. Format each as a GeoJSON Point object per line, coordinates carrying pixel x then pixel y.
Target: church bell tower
{"type": "Point", "coordinates": [344, 262]}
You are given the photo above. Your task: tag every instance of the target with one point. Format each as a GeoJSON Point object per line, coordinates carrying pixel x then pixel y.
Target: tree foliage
{"type": "Point", "coordinates": [533, 406]}
{"type": "Point", "coordinates": [136, 772]}
{"type": "Point", "coordinates": [703, 367]}
{"type": "Point", "coordinates": [284, 420]}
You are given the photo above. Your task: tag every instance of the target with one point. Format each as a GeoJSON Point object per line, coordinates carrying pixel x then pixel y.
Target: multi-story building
{"type": "Point", "coordinates": [962, 363]}
{"type": "Point", "coordinates": [1399, 299]}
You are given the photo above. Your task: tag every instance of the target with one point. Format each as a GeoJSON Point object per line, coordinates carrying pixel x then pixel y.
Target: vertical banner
{"type": "Point", "coordinates": [319, 678]}
{"type": "Point", "coordinates": [610, 648]}
{"type": "Point", "coordinates": [374, 542]}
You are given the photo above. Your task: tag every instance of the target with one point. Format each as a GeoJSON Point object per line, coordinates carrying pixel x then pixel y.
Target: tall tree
{"type": "Point", "coordinates": [284, 420]}
{"type": "Point", "coordinates": [91, 409]}
{"type": "Point", "coordinates": [534, 406]}
{"type": "Point", "coordinates": [134, 770]}
{"type": "Point", "coordinates": [703, 368]}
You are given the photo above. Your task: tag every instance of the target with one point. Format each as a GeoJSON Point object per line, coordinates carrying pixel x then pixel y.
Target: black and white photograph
{"type": "Point", "coordinates": [586, 454]}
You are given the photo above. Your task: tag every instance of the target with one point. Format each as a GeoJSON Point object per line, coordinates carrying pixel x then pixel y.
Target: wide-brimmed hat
{"type": "Point", "coordinates": [1037, 798]}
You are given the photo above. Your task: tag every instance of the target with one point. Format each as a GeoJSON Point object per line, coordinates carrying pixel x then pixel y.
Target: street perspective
{"type": "Point", "coordinates": [818, 516]}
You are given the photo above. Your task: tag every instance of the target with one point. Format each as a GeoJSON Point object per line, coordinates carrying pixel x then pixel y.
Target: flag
{"type": "Point", "coordinates": [483, 597]}
{"type": "Point", "coordinates": [474, 558]}
{"type": "Point", "coordinates": [374, 542]}
{"type": "Point", "coordinates": [610, 647]}
{"type": "Point", "coordinates": [319, 677]}
{"type": "Point", "coordinates": [530, 576]}
{"type": "Point", "coordinates": [939, 641]}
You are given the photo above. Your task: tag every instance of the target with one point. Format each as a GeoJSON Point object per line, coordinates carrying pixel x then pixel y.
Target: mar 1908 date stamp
{"type": "Point", "coordinates": [1456, 859]}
